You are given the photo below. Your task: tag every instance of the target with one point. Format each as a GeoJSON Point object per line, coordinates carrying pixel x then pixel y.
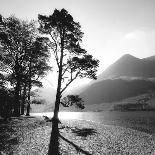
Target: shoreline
{"type": "Point", "coordinates": [32, 134]}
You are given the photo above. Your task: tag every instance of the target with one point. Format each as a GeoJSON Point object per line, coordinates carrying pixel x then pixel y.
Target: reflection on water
{"type": "Point", "coordinates": [62, 115]}
{"type": "Point", "coordinates": [101, 116]}
{"type": "Point", "coordinates": [138, 120]}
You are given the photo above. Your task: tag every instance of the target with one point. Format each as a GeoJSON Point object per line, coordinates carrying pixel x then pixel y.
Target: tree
{"type": "Point", "coordinates": [70, 100]}
{"type": "Point", "coordinates": [38, 66]}
{"type": "Point", "coordinates": [72, 60]}
{"type": "Point", "coordinates": [23, 55]}
{"type": "Point", "coordinates": [5, 97]}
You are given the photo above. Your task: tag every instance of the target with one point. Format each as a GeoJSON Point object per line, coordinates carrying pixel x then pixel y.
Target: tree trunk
{"type": "Point", "coordinates": [28, 109]}
{"type": "Point", "coordinates": [58, 95]}
{"type": "Point", "coordinates": [17, 102]}
{"type": "Point", "coordinates": [23, 100]}
{"type": "Point", "coordinates": [57, 103]}
{"type": "Point", "coordinates": [29, 91]}
{"type": "Point", "coordinates": [28, 106]}
{"type": "Point", "coordinates": [21, 103]}
{"type": "Point", "coordinates": [54, 140]}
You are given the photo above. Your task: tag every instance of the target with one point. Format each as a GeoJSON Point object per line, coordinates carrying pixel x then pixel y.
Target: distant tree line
{"type": "Point", "coordinates": [24, 57]}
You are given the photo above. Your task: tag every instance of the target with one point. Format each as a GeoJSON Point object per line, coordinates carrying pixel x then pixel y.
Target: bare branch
{"type": "Point", "coordinates": [55, 51]}
{"type": "Point", "coordinates": [65, 70]}
{"type": "Point", "coordinates": [70, 81]}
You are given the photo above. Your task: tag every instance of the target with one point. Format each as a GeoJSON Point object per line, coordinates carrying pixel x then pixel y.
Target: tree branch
{"type": "Point", "coordinates": [71, 80]}
{"type": "Point", "coordinates": [55, 51]}
{"type": "Point", "coordinates": [65, 70]}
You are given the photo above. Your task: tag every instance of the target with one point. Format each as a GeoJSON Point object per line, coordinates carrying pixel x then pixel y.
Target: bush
{"type": "Point", "coordinates": [38, 101]}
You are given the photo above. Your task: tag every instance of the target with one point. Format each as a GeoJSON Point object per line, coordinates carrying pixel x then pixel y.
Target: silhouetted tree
{"type": "Point", "coordinates": [72, 60]}
{"type": "Point", "coordinates": [5, 98]}
{"type": "Point", "coordinates": [70, 100]}
{"type": "Point", "coordinates": [38, 66]}
{"type": "Point", "coordinates": [23, 55]}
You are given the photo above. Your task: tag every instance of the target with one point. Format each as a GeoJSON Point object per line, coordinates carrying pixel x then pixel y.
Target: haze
{"type": "Point", "coordinates": [111, 28]}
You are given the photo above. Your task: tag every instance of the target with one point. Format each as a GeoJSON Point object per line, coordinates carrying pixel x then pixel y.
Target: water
{"type": "Point", "coordinates": [137, 120]}
{"type": "Point", "coordinates": [61, 115]}
{"type": "Point", "coordinates": [101, 116]}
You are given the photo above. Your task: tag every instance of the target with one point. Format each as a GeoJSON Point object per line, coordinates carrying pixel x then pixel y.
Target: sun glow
{"type": "Point", "coordinates": [61, 115]}
{"type": "Point", "coordinates": [69, 115]}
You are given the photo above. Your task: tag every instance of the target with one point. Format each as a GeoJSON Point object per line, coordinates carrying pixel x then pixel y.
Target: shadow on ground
{"type": "Point", "coordinates": [56, 136]}
{"type": "Point", "coordinates": [7, 139]}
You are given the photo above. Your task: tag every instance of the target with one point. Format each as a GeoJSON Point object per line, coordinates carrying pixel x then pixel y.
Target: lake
{"type": "Point", "coordinates": [101, 116]}
{"type": "Point", "coordinates": [138, 120]}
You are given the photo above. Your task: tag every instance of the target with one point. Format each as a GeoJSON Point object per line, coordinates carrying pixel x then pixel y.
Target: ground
{"type": "Point", "coordinates": [31, 135]}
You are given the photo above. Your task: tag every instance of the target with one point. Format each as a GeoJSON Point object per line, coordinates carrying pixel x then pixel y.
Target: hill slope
{"type": "Point", "coordinates": [130, 66]}
{"type": "Point", "coordinates": [127, 77]}
{"type": "Point", "coordinates": [115, 90]}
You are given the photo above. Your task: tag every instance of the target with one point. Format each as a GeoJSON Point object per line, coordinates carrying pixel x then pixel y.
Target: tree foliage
{"type": "Point", "coordinates": [23, 55]}
{"type": "Point", "coordinates": [75, 100]}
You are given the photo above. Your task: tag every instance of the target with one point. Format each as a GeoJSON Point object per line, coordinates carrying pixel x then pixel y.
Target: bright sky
{"type": "Point", "coordinates": [111, 28]}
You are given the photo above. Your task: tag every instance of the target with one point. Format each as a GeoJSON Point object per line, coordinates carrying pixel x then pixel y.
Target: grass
{"type": "Point", "coordinates": [31, 135]}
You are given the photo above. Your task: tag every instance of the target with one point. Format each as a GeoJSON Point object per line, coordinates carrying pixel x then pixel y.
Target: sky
{"type": "Point", "coordinates": [111, 28]}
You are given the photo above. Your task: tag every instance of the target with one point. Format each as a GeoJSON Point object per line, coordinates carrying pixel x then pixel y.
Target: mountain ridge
{"type": "Point", "coordinates": [130, 66]}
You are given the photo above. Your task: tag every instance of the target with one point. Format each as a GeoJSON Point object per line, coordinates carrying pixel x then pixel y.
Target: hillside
{"type": "Point", "coordinates": [46, 93]}
{"type": "Point", "coordinates": [127, 77]}
{"type": "Point", "coordinates": [115, 90]}
{"type": "Point", "coordinates": [130, 66]}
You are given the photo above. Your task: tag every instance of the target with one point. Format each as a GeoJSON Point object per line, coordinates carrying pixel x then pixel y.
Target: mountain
{"type": "Point", "coordinates": [127, 77]}
{"type": "Point", "coordinates": [45, 93]}
{"type": "Point", "coordinates": [130, 66]}
{"type": "Point", "coordinates": [151, 58]}
{"type": "Point", "coordinates": [111, 90]}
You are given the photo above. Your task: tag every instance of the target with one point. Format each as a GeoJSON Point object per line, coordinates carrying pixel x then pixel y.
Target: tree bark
{"type": "Point", "coordinates": [28, 106]}
{"type": "Point", "coordinates": [58, 95]}
{"type": "Point", "coordinates": [54, 140]}
{"type": "Point", "coordinates": [17, 102]}
{"type": "Point", "coordinates": [23, 99]}
{"type": "Point", "coordinates": [20, 99]}
{"type": "Point", "coordinates": [29, 91]}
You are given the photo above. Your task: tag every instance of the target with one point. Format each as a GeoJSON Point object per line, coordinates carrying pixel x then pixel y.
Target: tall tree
{"type": "Point", "coordinates": [10, 40]}
{"type": "Point", "coordinates": [19, 41]}
{"type": "Point", "coordinates": [37, 66]}
{"type": "Point", "coordinates": [72, 60]}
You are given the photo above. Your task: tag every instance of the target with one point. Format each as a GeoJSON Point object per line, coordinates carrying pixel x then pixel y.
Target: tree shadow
{"type": "Point", "coordinates": [55, 137]}
{"type": "Point", "coordinates": [7, 141]}
{"type": "Point", "coordinates": [54, 140]}
{"type": "Point", "coordinates": [84, 132]}
{"type": "Point", "coordinates": [78, 149]}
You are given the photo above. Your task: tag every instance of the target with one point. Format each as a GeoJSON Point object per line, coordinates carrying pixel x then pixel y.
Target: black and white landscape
{"type": "Point", "coordinates": [77, 77]}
